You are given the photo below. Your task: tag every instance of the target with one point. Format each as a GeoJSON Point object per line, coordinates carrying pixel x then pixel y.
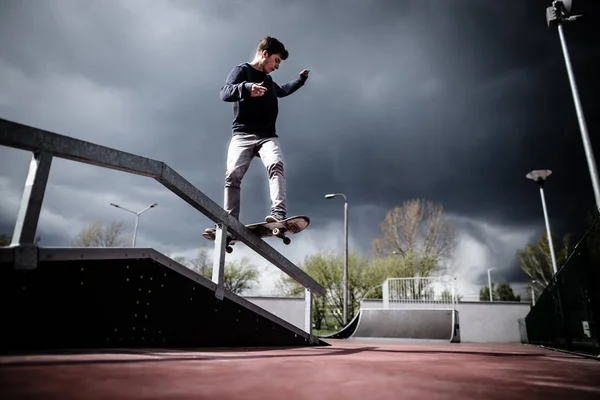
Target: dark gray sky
{"type": "Point", "coordinates": [451, 101]}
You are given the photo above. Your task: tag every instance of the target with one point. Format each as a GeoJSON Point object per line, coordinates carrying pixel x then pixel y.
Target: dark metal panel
{"type": "Point", "coordinates": [431, 324]}
{"type": "Point", "coordinates": [567, 313]}
{"type": "Point", "coordinates": [405, 324]}
{"type": "Point", "coordinates": [127, 253]}
{"type": "Point", "coordinates": [124, 303]}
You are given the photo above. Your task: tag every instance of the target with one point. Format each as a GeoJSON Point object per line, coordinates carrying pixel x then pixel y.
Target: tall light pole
{"type": "Point", "coordinates": [532, 293]}
{"type": "Point", "coordinates": [345, 283]}
{"type": "Point", "coordinates": [137, 217]}
{"type": "Point", "coordinates": [555, 16]}
{"type": "Point", "coordinates": [490, 283]}
{"type": "Point", "coordinates": [539, 176]}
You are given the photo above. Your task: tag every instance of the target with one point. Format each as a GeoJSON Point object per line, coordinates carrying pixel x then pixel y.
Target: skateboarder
{"type": "Point", "coordinates": [254, 94]}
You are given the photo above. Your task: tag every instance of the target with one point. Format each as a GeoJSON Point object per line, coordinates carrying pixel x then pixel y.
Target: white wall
{"type": "Point", "coordinates": [479, 321]}
{"type": "Point", "coordinates": [491, 322]}
{"type": "Point", "coordinates": [496, 322]}
{"type": "Point", "coordinates": [290, 309]}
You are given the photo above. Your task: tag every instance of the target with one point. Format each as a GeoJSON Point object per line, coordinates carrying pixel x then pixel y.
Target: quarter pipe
{"type": "Point", "coordinates": [432, 324]}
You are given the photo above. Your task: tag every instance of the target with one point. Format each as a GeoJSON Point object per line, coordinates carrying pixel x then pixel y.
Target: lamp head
{"type": "Point", "coordinates": [564, 4]}
{"type": "Point", "coordinates": [329, 196]}
{"type": "Point", "coordinates": [539, 175]}
{"type": "Point", "coordinates": [559, 11]}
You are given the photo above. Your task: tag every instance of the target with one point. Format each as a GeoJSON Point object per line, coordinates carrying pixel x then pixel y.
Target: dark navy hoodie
{"type": "Point", "coordinates": [256, 115]}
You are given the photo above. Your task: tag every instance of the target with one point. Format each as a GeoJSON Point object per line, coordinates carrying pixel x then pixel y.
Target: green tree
{"type": "Point", "coordinates": [536, 260]}
{"type": "Point", "coordinates": [387, 267]}
{"type": "Point", "coordinates": [202, 263]}
{"type": "Point", "coordinates": [418, 232]}
{"type": "Point", "coordinates": [327, 268]}
{"type": "Point", "coordinates": [484, 293]}
{"type": "Point", "coordinates": [5, 240]}
{"type": "Point", "coordinates": [446, 296]}
{"type": "Point", "coordinates": [96, 235]}
{"type": "Point", "coordinates": [238, 275]}
{"type": "Point", "coordinates": [502, 292]}
{"type": "Point", "coordinates": [322, 267]}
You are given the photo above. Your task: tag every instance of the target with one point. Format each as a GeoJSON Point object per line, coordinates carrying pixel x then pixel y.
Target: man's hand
{"type": "Point", "coordinates": [304, 73]}
{"type": "Point", "coordinates": [257, 90]}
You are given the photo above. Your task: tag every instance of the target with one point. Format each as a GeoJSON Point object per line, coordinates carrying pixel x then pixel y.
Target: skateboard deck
{"type": "Point", "coordinates": [288, 226]}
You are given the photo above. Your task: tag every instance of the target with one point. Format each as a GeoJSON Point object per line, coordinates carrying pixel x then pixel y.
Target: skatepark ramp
{"type": "Point", "coordinates": [107, 297]}
{"type": "Point", "coordinates": [413, 308]}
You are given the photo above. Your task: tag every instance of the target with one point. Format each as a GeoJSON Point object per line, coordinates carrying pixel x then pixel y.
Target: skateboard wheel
{"type": "Point", "coordinates": [229, 249]}
{"type": "Point", "coordinates": [287, 240]}
{"type": "Point", "coordinates": [275, 231]}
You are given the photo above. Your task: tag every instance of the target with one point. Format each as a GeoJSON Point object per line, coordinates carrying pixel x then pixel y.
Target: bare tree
{"type": "Point", "coordinates": [418, 232]}
{"type": "Point", "coordinates": [96, 235]}
{"type": "Point", "coordinates": [239, 276]}
{"type": "Point", "coordinates": [202, 264]}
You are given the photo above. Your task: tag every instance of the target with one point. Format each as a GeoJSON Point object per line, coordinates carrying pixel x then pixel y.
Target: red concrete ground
{"type": "Point", "coordinates": [346, 370]}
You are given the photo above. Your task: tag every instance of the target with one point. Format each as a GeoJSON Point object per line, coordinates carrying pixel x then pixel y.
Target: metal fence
{"type": "Point", "coordinates": [567, 313]}
{"type": "Point", "coordinates": [426, 292]}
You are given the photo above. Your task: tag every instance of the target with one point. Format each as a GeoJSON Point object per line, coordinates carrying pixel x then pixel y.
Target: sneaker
{"type": "Point", "coordinates": [274, 217]}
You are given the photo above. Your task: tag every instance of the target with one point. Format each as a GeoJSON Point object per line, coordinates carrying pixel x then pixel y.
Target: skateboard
{"type": "Point", "coordinates": [289, 226]}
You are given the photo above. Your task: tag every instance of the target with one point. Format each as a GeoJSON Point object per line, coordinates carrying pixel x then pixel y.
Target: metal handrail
{"type": "Point", "coordinates": [44, 145]}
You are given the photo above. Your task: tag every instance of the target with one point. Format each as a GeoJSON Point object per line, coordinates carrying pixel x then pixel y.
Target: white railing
{"type": "Point", "coordinates": [438, 292]}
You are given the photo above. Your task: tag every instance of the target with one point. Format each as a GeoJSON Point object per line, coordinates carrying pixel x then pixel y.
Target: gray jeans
{"type": "Point", "coordinates": [242, 149]}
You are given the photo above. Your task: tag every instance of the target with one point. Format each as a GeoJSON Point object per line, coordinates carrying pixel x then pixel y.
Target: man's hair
{"type": "Point", "coordinates": [272, 46]}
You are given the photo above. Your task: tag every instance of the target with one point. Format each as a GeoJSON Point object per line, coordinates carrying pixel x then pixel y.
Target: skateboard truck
{"type": "Point", "coordinates": [280, 233]}
{"type": "Point", "coordinates": [228, 247]}
{"type": "Point", "coordinates": [228, 240]}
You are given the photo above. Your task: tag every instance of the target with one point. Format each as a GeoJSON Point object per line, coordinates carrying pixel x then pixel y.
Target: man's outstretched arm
{"type": "Point", "coordinates": [290, 87]}
{"type": "Point", "coordinates": [236, 88]}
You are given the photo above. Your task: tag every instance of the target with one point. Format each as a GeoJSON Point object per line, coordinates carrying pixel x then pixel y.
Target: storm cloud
{"type": "Point", "coordinates": [451, 101]}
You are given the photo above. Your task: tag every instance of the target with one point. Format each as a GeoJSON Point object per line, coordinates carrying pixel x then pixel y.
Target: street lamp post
{"type": "Point", "coordinates": [137, 217]}
{"type": "Point", "coordinates": [532, 293]}
{"type": "Point", "coordinates": [555, 16]}
{"type": "Point", "coordinates": [490, 283]}
{"type": "Point", "coordinates": [539, 176]}
{"type": "Point", "coordinates": [345, 283]}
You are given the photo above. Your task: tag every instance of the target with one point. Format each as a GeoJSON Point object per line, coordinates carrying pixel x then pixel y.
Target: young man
{"type": "Point", "coordinates": [254, 94]}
